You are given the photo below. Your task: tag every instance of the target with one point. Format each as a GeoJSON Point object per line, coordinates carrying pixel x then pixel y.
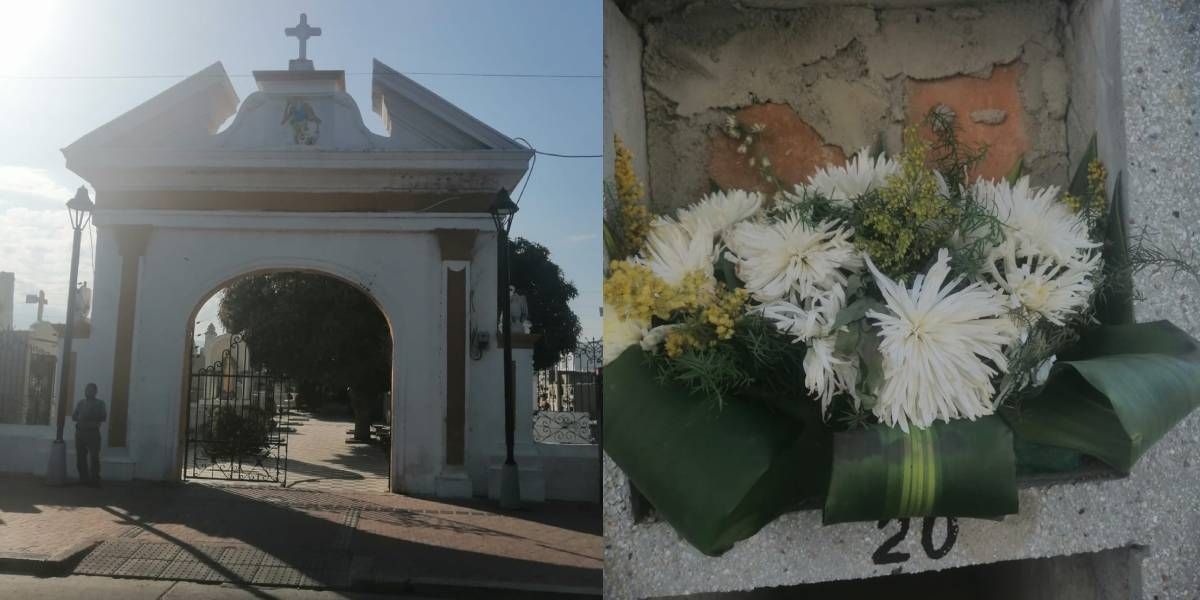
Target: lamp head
{"type": "Point", "coordinates": [502, 210]}
{"type": "Point", "coordinates": [80, 208]}
{"type": "Point", "coordinates": [502, 205]}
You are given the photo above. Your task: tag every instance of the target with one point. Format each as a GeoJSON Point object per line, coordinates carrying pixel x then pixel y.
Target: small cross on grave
{"type": "Point", "coordinates": [302, 32]}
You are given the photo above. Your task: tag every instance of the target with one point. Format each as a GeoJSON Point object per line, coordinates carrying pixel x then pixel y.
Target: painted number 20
{"type": "Point", "coordinates": [885, 555]}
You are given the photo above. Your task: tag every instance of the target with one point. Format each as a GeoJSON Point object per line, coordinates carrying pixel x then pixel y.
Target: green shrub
{"type": "Point", "coordinates": [238, 432]}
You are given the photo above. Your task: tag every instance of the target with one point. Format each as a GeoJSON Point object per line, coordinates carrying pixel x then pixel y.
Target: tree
{"type": "Point", "coordinates": [325, 334]}
{"type": "Point", "coordinates": [328, 335]}
{"type": "Point", "coordinates": [548, 294]}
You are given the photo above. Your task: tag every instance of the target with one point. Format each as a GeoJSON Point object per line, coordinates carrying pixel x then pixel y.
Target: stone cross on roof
{"type": "Point", "coordinates": [302, 32]}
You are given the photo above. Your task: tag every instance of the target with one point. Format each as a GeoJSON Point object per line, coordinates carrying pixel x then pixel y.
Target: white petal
{"type": "Point", "coordinates": [1035, 221]}
{"type": "Point", "coordinates": [790, 257]}
{"type": "Point", "coordinates": [673, 250]}
{"type": "Point", "coordinates": [827, 373]}
{"type": "Point", "coordinates": [1041, 287]}
{"type": "Point", "coordinates": [858, 176]}
{"type": "Point", "coordinates": [620, 334]}
{"type": "Point", "coordinates": [718, 211]}
{"type": "Point", "coordinates": [940, 345]}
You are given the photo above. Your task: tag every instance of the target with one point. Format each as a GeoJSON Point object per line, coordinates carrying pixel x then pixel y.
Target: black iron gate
{"type": "Point", "coordinates": [567, 409]}
{"type": "Point", "coordinates": [237, 421]}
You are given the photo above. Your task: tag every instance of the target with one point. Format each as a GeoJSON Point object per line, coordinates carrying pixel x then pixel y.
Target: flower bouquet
{"type": "Point", "coordinates": [889, 339]}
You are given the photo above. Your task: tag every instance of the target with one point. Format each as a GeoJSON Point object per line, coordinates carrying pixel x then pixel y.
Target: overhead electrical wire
{"type": "Point", "coordinates": [529, 173]}
{"type": "Point", "coordinates": [352, 73]}
{"type": "Point", "coordinates": [536, 151]}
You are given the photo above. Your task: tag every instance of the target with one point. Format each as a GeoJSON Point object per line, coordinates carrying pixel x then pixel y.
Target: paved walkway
{"type": "Point", "coordinates": [299, 538]}
{"type": "Point", "coordinates": [320, 459]}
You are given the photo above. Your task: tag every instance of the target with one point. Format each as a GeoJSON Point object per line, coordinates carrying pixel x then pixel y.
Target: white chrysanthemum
{"type": "Point", "coordinates": [814, 319]}
{"type": "Point", "coordinates": [1044, 288]}
{"type": "Point", "coordinates": [672, 251]}
{"type": "Point", "coordinates": [860, 175]}
{"type": "Point", "coordinates": [620, 333]}
{"type": "Point", "coordinates": [827, 373]}
{"type": "Point", "coordinates": [1036, 222]}
{"type": "Point", "coordinates": [719, 211]}
{"type": "Point", "coordinates": [935, 342]}
{"type": "Point", "coordinates": [789, 256]}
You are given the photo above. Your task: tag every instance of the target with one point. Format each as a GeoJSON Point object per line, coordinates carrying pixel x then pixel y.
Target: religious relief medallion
{"type": "Point", "coordinates": [306, 126]}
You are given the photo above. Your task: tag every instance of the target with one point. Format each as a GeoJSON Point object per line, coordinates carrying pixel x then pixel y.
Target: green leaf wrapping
{"type": "Point", "coordinates": [716, 475]}
{"type": "Point", "coordinates": [1119, 393]}
{"type": "Point", "coordinates": [956, 469]}
{"type": "Point", "coordinates": [1115, 305]}
{"type": "Point", "coordinates": [610, 242]}
{"type": "Point", "coordinates": [719, 475]}
{"type": "Point", "coordinates": [1035, 460]}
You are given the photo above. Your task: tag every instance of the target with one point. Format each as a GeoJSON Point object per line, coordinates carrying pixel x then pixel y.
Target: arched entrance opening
{"type": "Point", "coordinates": [288, 381]}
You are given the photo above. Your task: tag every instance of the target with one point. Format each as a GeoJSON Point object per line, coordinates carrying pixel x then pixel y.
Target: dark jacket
{"type": "Point", "coordinates": [89, 414]}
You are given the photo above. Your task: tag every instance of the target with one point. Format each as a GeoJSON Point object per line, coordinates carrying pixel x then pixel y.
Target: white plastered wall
{"type": "Point", "coordinates": [394, 258]}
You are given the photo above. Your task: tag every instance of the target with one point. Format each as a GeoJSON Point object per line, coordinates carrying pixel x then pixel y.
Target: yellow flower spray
{"type": "Point", "coordinates": [900, 228]}
{"type": "Point", "coordinates": [712, 322]}
{"type": "Point", "coordinates": [631, 215]}
{"type": "Point", "coordinates": [635, 292]}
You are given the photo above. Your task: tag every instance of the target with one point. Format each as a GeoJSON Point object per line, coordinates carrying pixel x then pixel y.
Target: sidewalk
{"type": "Point", "coordinates": [299, 538]}
{"type": "Point", "coordinates": [28, 587]}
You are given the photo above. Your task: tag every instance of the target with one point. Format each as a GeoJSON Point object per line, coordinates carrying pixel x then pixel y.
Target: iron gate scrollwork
{"type": "Point", "coordinates": [563, 427]}
{"type": "Point", "coordinates": [237, 421]}
{"type": "Point", "coordinates": [568, 397]}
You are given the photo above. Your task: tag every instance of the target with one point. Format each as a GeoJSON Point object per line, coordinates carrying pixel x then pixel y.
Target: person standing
{"type": "Point", "coordinates": [89, 414]}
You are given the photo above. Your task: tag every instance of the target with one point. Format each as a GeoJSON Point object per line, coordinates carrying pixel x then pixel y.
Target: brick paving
{"type": "Point", "coordinates": [214, 563]}
{"type": "Point", "coordinates": [319, 457]}
{"type": "Point", "coordinates": [268, 535]}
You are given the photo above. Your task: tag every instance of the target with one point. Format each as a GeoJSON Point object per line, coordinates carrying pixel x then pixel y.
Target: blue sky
{"type": "Point", "coordinates": [69, 48]}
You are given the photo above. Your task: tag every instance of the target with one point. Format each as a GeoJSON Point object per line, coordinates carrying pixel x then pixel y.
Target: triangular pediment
{"type": "Point", "coordinates": [184, 114]}
{"type": "Point", "coordinates": [417, 118]}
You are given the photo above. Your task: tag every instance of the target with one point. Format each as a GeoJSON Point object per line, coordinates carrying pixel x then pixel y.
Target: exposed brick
{"type": "Point", "coordinates": [1007, 140]}
{"type": "Point", "coordinates": [795, 149]}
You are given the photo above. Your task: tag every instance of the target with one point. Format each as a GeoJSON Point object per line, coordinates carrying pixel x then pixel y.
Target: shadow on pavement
{"type": "Point", "coordinates": [306, 470]}
{"type": "Point", "coordinates": [324, 539]}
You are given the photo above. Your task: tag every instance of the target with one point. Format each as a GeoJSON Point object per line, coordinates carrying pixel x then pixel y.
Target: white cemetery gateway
{"type": "Point", "coordinates": [296, 181]}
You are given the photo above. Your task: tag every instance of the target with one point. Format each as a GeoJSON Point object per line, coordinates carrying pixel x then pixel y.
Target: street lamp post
{"type": "Point", "coordinates": [503, 210]}
{"type": "Point", "coordinates": [80, 210]}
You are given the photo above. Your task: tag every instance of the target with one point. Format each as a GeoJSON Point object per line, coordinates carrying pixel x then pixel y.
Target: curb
{"type": "Point", "coordinates": [360, 579]}
{"type": "Point", "coordinates": [364, 579]}
{"type": "Point", "coordinates": [45, 565]}
{"type": "Point", "coordinates": [467, 589]}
